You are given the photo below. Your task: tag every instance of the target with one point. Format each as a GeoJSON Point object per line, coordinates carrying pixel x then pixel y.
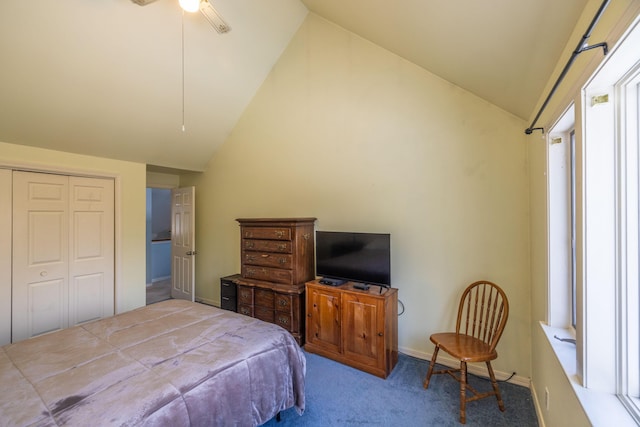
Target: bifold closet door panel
{"type": "Point", "coordinates": [91, 249]}
{"type": "Point", "coordinates": [5, 256]}
{"type": "Point", "coordinates": [40, 254]}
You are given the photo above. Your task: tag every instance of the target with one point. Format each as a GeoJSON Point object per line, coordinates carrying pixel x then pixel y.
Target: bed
{"type": "Point", "coordinates": [173, 363]}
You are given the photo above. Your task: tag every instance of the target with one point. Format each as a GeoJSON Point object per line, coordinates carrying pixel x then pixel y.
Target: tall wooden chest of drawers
{"type": "Point", "coordinates": [277, 259]}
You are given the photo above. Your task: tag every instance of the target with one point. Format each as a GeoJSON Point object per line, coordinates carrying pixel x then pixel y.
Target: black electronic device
{"type": "Point", "coordinates": [332, 282]}
{"type": "Point", "coordinates": [356, 257]}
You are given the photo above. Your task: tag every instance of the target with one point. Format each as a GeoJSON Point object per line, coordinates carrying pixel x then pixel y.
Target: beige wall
{"type": "Point", "coordinates": [130, 181]}
{"type": "Point", "coordinates": [546, 371]}
{"type": "Point", "coordinates": [363, 140]}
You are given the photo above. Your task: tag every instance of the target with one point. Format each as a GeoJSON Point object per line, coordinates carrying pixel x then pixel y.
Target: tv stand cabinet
{"type": "Point", "coordinates": [356, 327]}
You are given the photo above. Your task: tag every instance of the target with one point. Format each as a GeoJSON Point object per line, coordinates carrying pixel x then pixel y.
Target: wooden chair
{"type": "Point", "coordinates": [482, 315]}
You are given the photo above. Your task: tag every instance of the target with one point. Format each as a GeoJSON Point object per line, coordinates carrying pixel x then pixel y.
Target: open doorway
{"type": "Point", "coordinates": [158, 237]}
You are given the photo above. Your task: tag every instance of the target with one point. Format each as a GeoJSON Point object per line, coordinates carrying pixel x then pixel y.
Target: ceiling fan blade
{"type": "Point", "coordinates": [143, 2]}
{"type": "Point", "coordinates": [214, 17]}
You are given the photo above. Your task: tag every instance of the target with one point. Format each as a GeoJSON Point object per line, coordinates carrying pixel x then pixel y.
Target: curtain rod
{"type": "Point", "coordinates": [582, 46]}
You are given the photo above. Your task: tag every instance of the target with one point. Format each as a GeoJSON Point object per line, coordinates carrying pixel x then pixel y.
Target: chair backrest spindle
{"type": "Point", "coordinates": [485, 308]}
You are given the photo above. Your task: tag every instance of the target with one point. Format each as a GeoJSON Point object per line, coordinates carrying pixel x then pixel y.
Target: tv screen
{"type": "Point", "coordinates": [356, 257]}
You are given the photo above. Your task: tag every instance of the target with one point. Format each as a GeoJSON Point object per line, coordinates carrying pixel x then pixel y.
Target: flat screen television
{"type": "Point", "coordinates": [355, 257]}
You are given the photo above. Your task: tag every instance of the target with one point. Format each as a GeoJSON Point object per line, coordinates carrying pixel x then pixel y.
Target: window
{"type": "Point", "coordinates": [561, 182]}
{"type": "Point", "coordinates": [628, 96]}
{"type": "Point", "coordinates": [607, 328]}
{"type": "Point", "coordinates": [572, 225]}
{"type": "Point", "coordinates": [594, 226]}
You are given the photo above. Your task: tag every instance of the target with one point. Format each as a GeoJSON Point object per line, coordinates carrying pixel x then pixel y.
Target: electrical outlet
{"type": "Point", "coordinates": [546, 398]}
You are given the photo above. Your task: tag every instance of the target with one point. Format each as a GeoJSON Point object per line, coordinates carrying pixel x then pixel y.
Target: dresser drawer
{"type": "Point", "coordinates": [267, 259]}
{"type": "Point", "coordinates": [263, 298]}
{"type": "Point", "coordinates": [227, 289]}
{"type": "Point", "coordinates": [269, 233]}
{"type": "Point", "coordinates": [283, 303]}
{"type": "Point", "coordinates": [247, 310]}
{"type": "Point", "coordinates": [283, 247]}
{"type": "Point", "coordinates": [228, 303]}
{"type": "Point", "coordinates": [285, 320]}
{"type": "Point", "coordinates": [245, 295]}
{"type": "Point", "coordinates": [263, 313]}
{"type": "Point", "coordinates": [268, 274]}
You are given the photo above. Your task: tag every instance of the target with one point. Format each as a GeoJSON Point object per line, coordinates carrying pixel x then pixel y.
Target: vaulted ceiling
{"type": "Point", "coordinates": [114, 79]}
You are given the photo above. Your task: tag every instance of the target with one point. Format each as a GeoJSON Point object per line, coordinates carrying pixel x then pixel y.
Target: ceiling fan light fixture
{"type": "Point", "coordinates": [189, 5]}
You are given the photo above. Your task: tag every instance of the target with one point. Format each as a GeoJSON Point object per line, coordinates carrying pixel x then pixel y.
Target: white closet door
{"type": "Point", "coordinates": [63, 252]}
{"type": "Point", "coordinates": [91, 249]}
{"type": "Point", "coordinates": [40, 254]}
{"type": "Point", "coordinates": [5, 255]}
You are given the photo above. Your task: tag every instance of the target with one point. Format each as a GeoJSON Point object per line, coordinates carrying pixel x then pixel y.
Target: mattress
{"type": "Point", "coordinates": [172, 363]}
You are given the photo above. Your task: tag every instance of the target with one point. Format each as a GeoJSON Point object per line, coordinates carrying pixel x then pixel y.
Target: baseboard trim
{"type": "Point", "coordinates": [208, 301]}
{"type": "Point", "coordinates": [537, 405]}
{"type": "Point", "coordinates": [475, 369]}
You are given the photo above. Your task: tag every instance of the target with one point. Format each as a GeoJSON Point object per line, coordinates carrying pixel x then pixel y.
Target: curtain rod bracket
{"type": "Point", "coordinates": [529, 131]}
{"type": "Point", "coordinates": [603, 45]}
{"type": "Point", "coordinates": [582, 46]}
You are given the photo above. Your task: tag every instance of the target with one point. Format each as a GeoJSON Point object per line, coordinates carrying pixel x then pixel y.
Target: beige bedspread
{"type": "Point", "coordinates": [173, 363]}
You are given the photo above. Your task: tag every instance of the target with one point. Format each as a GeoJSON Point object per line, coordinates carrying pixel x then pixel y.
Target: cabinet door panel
{"type": "Point", "coordinates": [323, 320]}
{"type": "Point", "coordinates": [363, 329]}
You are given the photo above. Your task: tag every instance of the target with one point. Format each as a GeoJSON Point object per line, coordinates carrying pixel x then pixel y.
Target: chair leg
{"type": "Point", "coordinates": [494, 383]}
{"type": "Point", "coordinates": [430, 371]}
{"type": "Point", "coordinates": [463, 392]}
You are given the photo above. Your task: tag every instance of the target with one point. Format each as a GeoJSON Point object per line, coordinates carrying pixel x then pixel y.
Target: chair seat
{"type": "Point", "coordinates": [464, 347]}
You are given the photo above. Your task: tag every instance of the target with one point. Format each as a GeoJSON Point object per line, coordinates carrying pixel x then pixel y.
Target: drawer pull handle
{"type": "Point", "coordinates": [282, 247]}
{"type": "Point", "coordinates": [282, 261]}
{"type": "Point", "coordinates": [279, 234]}
{"type": "Point", "coordinates": [379, 334]}
{"type": "Point", "coordinates": [282, 302]}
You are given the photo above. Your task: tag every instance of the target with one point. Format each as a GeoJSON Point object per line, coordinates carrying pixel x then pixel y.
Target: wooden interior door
{"type": "Point", "coordinates": [40, 283]}
{"type": "Point", "coordinates": [183, 244]}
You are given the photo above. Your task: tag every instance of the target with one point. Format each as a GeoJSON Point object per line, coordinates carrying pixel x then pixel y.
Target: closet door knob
{"type": "Point", "coordinates": [43, 273]}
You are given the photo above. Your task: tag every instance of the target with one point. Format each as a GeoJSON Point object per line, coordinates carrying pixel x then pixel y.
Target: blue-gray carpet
{"type": "Point", "coordinates": [338, 395]}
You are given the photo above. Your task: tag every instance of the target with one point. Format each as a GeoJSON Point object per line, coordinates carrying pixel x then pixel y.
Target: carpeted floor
{"type": "Point", "coordinates": [338, 395]}
{"type": "Point", "coordinates": [159, 291]}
